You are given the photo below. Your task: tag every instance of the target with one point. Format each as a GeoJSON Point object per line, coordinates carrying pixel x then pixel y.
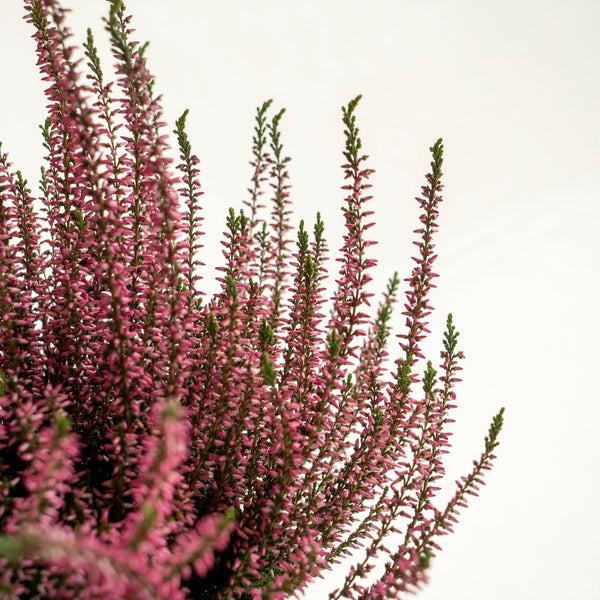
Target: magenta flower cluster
{"type": "Point", "coordinates": [158, 444]}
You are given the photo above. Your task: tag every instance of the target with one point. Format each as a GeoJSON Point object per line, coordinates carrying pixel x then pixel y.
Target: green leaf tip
{"type": "Point", "coordinates": [437, 152]}
{"type": "Point", "coordinates": [117, 5]}
{"type": "Point", "coordinates": [429, 378]}
{"type": "Point", "coordinates": [277, 118]}
{"type": "Point", "coordinates": [378, 417]}
{"type": "Point", "coordinates": [424, 559]}
{"type": "Point", "coordinates": [37, 16]}
{"type": "Point", "coordinates": [352, 105]}
{"type": "Point", "coordinates": [450, 341]}
{"type": "Point", "coordinates": [181, 121]}
{"type": "Point", "coordinates": [267, 369]}
{"type": "Point", "coordinates": [495, 428]}
{"type": "Point", "coordinates": [266, 335]}
{"type": "Point", "coordinates": [265, 106]}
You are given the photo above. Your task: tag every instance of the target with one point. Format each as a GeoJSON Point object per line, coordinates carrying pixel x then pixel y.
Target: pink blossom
{"type": "Point", "coordinates": [156, 443]}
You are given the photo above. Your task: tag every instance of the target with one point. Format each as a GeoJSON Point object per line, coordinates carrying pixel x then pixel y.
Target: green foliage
{"type": "Point", "coordinates": [353, 142]}
{"type": "Point", "coordinates": [437, 151]}
{"type": "Point", "coordinates": [429, 378]}
{"type": "Point", "coordinates": [267, 369]}
{"type": "Point", "coordinates": [491, 439]}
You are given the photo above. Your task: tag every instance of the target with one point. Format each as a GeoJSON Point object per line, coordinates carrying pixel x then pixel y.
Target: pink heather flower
{"type": "Point", "coordinates": [155, 443]}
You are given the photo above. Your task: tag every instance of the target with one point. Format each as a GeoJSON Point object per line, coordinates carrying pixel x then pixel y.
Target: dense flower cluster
{"type": "Point", "coordinates": [155, 445]}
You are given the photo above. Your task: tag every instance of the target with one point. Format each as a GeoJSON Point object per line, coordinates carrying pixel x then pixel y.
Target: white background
{"type": "Point", "coordinates": [513, 88]}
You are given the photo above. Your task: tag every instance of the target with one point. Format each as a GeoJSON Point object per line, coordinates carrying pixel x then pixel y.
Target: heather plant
{"type": "Point", "coordinates": [156, 443]}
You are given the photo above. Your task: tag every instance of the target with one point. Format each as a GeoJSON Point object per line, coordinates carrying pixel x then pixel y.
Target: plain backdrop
{"type": "Point", "coordinates": [513, 88]}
